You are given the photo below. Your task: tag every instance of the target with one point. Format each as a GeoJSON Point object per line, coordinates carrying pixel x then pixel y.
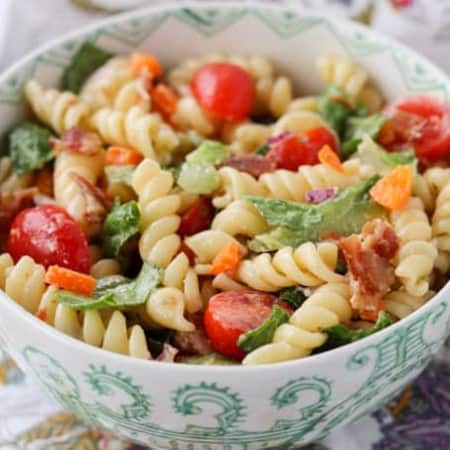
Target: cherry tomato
{"type": "Point", "coordinates": [420, 122]}
{"type": "Point", "coordinates": [50, 236]}
{"type": "Point", "coordinates": [197, 218]}
{"type": "Point", "coordinates": [225, 90]}
{"type": "Point", "coordinates": [294, 151]}
{"type": "Point", "coordinates": [231, 313]}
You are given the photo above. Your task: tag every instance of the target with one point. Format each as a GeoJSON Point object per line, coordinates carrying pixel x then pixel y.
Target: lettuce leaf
{"type": "Point", "coordinates": [293, 296]}
{"type": "Point", "coordinates": [296, 223]}
{"type": "Point", "coordinates": [262, 335]}
{"type": "Point", "coordinates": [357, 127]}
{"type": "Point", "coordinates": [29, 147]}
{"type": "Point", "coordinates": [84, 63]}
{"type": "Point", "coordinates": [121, 224]}
{"type": "Point", "coordinates": [340, 335]}
{"type": "Point", "coordinates": [116, 291]}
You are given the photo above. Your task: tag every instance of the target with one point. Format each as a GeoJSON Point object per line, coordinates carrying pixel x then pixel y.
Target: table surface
{"type": "Point", "coordinates": [419, 419]}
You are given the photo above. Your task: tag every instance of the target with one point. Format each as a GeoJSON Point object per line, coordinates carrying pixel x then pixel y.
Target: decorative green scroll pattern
{"type": "Point", "coordinates": [285, 24]}
{"type": "Point", "coordinates": [112, 400]}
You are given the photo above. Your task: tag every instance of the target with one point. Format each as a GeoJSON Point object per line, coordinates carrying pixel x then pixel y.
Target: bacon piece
{"type": "Point", "coordinates": [77, 140]}
{"type": "Point", "coordinates": [367, 258]}
{"type": "Point", "coordinates": [194, 343]}
{"type": "Point", "coordinates": [11, 203]}
{"type": "Point", "coordinates": [95, 200]}
{"type": "Point", "coordinates": [255, 165]}
{"type": "Point", "coordinates": [168, 353]}
{"type": "Point", "coordinates": [380, 237]}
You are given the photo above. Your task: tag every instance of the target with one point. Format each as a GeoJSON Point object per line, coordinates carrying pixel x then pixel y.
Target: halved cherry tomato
{"type": "Point", "coordinates": [420, 122]}
{"type": "Point", "coordinates": [294, 151]}
{"type": "Point", "coordinates": [225, 90]}
{"type": "Point", "coordinates": [50, 236]}
{"type": "Point", "coordinates": [197, 218]}
{"type": "Point", "coordinates": [231, 313]}
{"type": "Point", "coordinates": [122, 156]}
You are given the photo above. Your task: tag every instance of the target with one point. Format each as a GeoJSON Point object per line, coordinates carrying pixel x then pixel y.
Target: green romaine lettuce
{"type": "Point", "coordinates": [84, 63]}
{"type": "Point", "coordinates": [296, 223]}
{"type": "Point", "coordinates": [121, 224]}
{"type": "Point", "coordinates": [357, 127]}
{"type": "Point", "coordinates": [29, 147]}
{"type": "Point", "coordinates": [116, 291]}
{"type": "Point", "coordinates": [262, 335]}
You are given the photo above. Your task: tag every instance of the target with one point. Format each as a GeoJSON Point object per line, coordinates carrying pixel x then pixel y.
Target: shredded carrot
{"type": "Point", "coordinates": [144, 63]}
{"type": "Point", "coordinates": [122, 156]}
{"type": "Point", "coordinates": [329, 158]}
{"type": "Point", "coordinates": [165, 100]}
{"type": "Point", "coordinates": [227, 259]}
{"type": "Point", "coordinates": [63, 278]}
{"type": "Point", "coordinates": [394, 190]}
{"type": "Point", "coordinates": [42, 314]}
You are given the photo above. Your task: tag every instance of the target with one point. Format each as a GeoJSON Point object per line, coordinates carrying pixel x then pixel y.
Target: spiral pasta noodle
{"type": "Point", "coordinates": [307, 265]}
{"type": "Point", "coordinates": [113, 85]}
{"type": "Point", "coordinates": [417, 254]}
{"type": "Point", "coordinates": [288, 185]}
{"type": "Point", "coordinates": [329, 305]}
{"type": "Point", "coordinates": [353, 80]}
{"type": "Point", "coordinates": [207, 244]}
{"type": "Point", "coordinates": [439, 179]}
{"type": "Point", "coordinates": [60, 110]}
{"type": "Point", "coordinates": [159, 242]}
{"type": "Point", "coordinates": [235, 184]}
{"type": "Point", "coordinates": [400, 303]}
{"type": "Point", "coordinates": [71, 195]}
{"type": "Point", "coordinates": [135, 128]}
{"type": "Point", "coordinates": [245, 137]}
{"type": "Point", "coordinates": [240, 217]}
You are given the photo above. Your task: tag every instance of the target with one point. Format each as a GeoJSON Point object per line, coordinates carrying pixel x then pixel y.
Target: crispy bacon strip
{"type": "Point", "coordinates": [77, 140]}
{"type": "Point", "coordinates": [255, 165]}
{"type": "Point", "coordinates": [168, 353]}
{"type": "Point", "coordinates": [194, 343]}
{"type": "Point", "coordinates": [368, 260]}
{"type": "Point", "coordinates": [95, 200]}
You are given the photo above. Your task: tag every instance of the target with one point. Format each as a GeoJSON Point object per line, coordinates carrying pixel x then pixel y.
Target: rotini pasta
{"type": "Point", "coordinates": [145, 132]}
{"type": "Point", "coordinates": [11, 181]}
{"type": "Point", "coordinates": [352, 79]}
{"type": "Point", "coordinates": [72, 170]}
{"type": "Point", "coordinates": [240, 217]}
{"type": "Point", "coordinates": [60, 110]}
{"type": "Point", "coordinates": [400, 303]}
{"type": "Point", "coordinates": [417, 254]}
{"type": "Point", "coordinates": [439, 179]}
{"type": "Point", "coordinates": [307, 265]}
{"type": "Point", "coordinates": [113, 85]}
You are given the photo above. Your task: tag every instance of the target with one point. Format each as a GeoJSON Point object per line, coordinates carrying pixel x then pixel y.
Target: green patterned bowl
{"type": "Point", "coordinates": [198, 407]}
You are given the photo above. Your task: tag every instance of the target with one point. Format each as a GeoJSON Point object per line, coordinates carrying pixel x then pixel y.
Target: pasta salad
{"type": "Point", "coordinates": [209, 215]}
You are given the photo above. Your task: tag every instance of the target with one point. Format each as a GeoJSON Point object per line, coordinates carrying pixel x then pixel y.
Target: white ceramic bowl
{"type": "Point", "coordinates": [199, 407]}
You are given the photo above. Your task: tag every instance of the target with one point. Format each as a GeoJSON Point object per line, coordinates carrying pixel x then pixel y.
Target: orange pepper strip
{"type": "Point", "coordinates": [394, 190]}
{"type": "Point", "coordinates": [144, 63]}
{"type": "Point", "coordinates": [227, 259]}
{"type": "Point", "coordinates": [164, 99]}
{"type": "Point", "coordinates": [122, 156]}
{"type": "Point", "coordinates": [329, 158]}
{"type": "Point", "coordinates": [63, 278]}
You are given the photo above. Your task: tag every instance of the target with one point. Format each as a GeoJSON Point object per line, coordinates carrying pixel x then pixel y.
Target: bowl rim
{"type": "Point", "coordinates": [140, 364]}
